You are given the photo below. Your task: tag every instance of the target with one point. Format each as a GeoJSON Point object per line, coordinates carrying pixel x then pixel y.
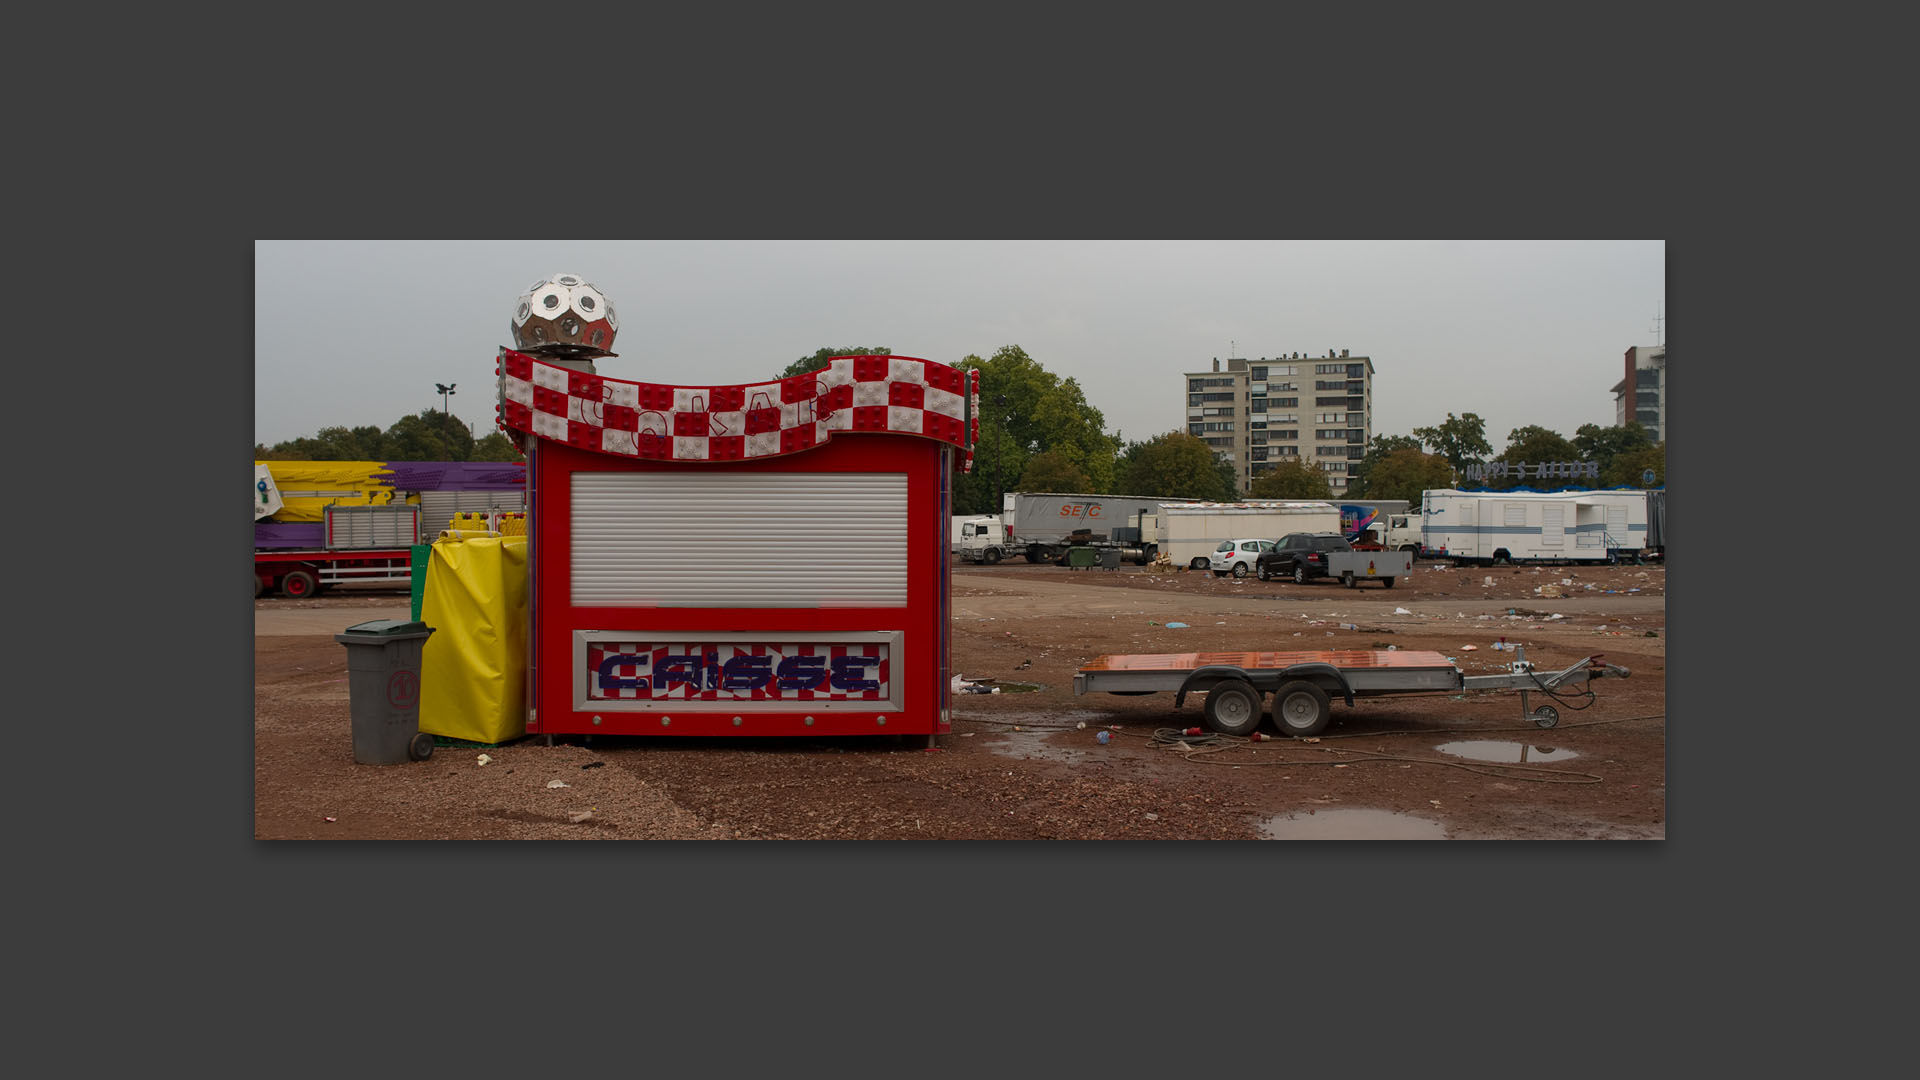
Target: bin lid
{"type": "Point", "coordinates": [388, 628]}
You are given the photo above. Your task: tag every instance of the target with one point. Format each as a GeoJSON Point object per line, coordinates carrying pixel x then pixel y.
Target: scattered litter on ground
{"type": "Point", "coordinates": [1176, 626]}
{"type": "Point", "coordinates": [558, 784]}
{"type": "Point", "coordinates": [484, 759]}
{"type": "Point", "coordinates": [1401, 611]}
{"type": "Point", "coordinates": [580, 816]}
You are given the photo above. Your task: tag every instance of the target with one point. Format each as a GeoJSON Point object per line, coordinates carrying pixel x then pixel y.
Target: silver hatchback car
{"type": "Point", "coordinates": [1237, 557]}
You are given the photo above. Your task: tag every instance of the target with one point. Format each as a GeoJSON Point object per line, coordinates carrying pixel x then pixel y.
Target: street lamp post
{"type": "Point", "coordinates": [446, 389]}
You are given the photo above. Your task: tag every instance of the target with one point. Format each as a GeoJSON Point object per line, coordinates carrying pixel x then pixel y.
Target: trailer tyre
{"type": "Point", "coordinates": [298, 585]}
{"type": "Point", "coordinates": [1198, 562]}
{"type": "Point", "coordinates": [1301, 708]}
{"type": "Point", "coordinates": [1346, 578]}
{"type": "Point", "coordinates": [1233, 707]}
{"type": "Point", "coordinates": [1387, 581]}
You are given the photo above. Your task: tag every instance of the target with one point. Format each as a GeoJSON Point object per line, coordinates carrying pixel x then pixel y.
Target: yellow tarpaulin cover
{"type": "Point", "coordinates": [308, 487]}
{"type": "Point", "coordinates": [473, 670]}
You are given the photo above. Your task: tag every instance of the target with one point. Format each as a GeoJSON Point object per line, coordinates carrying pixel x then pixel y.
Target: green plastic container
{"type": "Point", "coordinates": [1082, 558]}
{"type": "Point", "coordinates": [418, 563]}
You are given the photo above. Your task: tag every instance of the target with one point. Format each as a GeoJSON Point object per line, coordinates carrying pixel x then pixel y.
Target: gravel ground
{"type": "Point", "coordinates": [1026, 763]}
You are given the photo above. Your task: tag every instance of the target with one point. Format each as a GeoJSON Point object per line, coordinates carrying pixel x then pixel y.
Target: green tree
{"type": "Point", "coordinates": [1532, 445]}
{"type": "Point", "coordinates": [1405, 473]}
{"type": "Point", "coordinates": [335, 444]}
{"type": "Point", "coordinates": [1292, 478]}
{"type": "Point", "coordinates": [1460, 440]}
{"type": "Point", "coordinates": [1601, 445]}
{"type": "Point", "coordinates": [1379, 447]}
{"type": "Point", "coordinates": [496, 447]}
{"type": "Point", "coordinates": [1628, 469]}
{"type": "Point", "coordinates": [1175, 465]}
{"type": "Point", "coordinates": [429, 435]}
{"type": "Point", "coordinates": [1051, 471]}
{"type": "Point", "coordinates": [1229, 479]}
{"type": "Point", "coordinates": [821, 356]}
{"type": "Point", "coordinates": [1027, 410]}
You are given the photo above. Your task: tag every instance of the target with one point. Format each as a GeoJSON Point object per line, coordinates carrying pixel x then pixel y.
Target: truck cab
{"type": "Point", "coordinates": [983, 540]}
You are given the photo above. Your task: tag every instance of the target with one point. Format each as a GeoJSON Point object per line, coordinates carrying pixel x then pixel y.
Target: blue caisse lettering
{"type": "Point", "coordinates": [802, 672]}
{"type": "Point", "coordinates": [848, 672]}
{"type": "Point", "coordinates": [610, 681]}
{"type": "Point", "coordinates": [747, 673]}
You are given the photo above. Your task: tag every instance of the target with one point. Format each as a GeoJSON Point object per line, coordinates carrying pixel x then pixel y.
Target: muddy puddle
{"type": "Point", "coordinates": [1496, 750]}
{"type": "Point", "coordinates": [1351, 825]}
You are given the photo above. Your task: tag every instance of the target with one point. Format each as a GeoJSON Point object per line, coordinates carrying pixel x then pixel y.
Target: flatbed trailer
{"type": "Point", "coordinates": [1303, 682]}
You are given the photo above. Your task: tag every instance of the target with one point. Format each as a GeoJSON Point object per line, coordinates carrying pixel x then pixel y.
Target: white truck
{"type": "Point", "coordinates": [982, 539]}
{"type": "Point", "coordinates": [1394, 532]}
{"type": "Point", "coordinates": [1187, 532]}
{"type": "Point", "coordinates": [1488, 527]}
{"type": "Point", "coordinates": [1045, 526]}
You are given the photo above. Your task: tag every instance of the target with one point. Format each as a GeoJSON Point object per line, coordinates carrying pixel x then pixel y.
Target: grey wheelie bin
{"type": "Point", "coordinates": [383, 682]}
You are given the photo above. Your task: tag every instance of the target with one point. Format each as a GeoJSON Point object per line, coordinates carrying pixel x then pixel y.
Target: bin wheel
{"type": "Point", "coordinates": [1233, 707]}
{"type": "Point", "coordinates": [298, 585]}
{"type": "Point", "coordinates": [1301, 708]}
{"type": "Point", "coordinates": [1546, 716]}
{"type": "Point", "coordinates": [421, 748]}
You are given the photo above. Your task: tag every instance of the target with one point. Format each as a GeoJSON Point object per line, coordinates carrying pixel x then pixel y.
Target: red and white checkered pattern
{"type": "Point", "coordinates": [899, 394]}
{"type": "Point", "coordinates": [638, 662]}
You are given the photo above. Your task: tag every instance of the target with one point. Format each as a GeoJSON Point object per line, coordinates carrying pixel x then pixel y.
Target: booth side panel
{"type": "Point", "coordinates": [666, 657]}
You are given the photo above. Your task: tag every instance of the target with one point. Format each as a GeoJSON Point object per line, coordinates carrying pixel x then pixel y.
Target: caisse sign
{"type": "Point", "coordinates": [734, 671]}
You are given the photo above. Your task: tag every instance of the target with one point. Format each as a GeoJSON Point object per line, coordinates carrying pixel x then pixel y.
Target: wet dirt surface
{"type": "Point", "coordinates": [1021, 765]}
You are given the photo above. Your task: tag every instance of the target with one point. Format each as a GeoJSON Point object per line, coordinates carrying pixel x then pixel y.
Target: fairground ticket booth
{"type": "Point", "coordinates": [764, 559]}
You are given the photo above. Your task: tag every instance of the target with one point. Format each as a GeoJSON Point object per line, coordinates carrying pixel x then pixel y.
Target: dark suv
{"type": "Point", "coordinates": [1299, 556]}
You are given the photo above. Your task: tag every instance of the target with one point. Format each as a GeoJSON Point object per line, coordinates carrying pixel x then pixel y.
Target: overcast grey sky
{"type": "Point", "coordinates": [354, 332]}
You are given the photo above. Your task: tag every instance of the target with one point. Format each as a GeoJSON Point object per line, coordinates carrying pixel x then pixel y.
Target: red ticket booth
{"type": "Point", "coordinates": [762, 559]}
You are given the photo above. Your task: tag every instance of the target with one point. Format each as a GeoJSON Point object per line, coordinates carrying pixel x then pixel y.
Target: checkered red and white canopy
{"type": "Point", "coordinates": [898, 394]}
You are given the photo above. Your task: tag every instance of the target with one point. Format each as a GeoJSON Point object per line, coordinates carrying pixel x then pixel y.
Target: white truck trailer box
{"type": "Point", "coordinates": [1487, 527]}
{"type": "Point", "coordinates": [1187, 532]}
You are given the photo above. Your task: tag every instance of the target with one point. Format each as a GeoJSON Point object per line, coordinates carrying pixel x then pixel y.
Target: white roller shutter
{"type": "Point", "coordinates": [737, 539]}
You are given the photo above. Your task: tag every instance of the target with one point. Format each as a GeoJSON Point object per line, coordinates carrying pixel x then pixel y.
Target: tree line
{"type": "Point", "coordinates": [1039, 432]}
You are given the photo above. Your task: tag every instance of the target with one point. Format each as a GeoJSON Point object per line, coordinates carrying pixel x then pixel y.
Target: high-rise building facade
{"type": "Point", "coordinates": [1258, 413]}
{"type": "Point", "coordinates": [1642, 394]}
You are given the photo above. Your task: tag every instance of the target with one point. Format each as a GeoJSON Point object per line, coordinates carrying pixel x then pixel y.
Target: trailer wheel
{"type": "Point", "coordinates": [259, 586]}
{"type": "Point", "coordinates": [1301, 708]}
{"type": "Point", "coordinates": [991, 556]}
{"type": "Point", "coordinates": [420, 748]}
{"type": "Point", "coordinates": [1198, 562]}
{"type": "Point", "coordinates": [1239, 569]}
{"type": "Point", "coordinates": [1233, 707]}
{"type": "Point", "coordinates": [1387, 581]}
{"type": "Point", "coordinates": [1346, 578]}
{"type": "Point", "coordinates": [298, 585]}
{"type": "Point", "coordinates": [1546, 716]}
{"type": "Point", "coordinates": [1036, 553]}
